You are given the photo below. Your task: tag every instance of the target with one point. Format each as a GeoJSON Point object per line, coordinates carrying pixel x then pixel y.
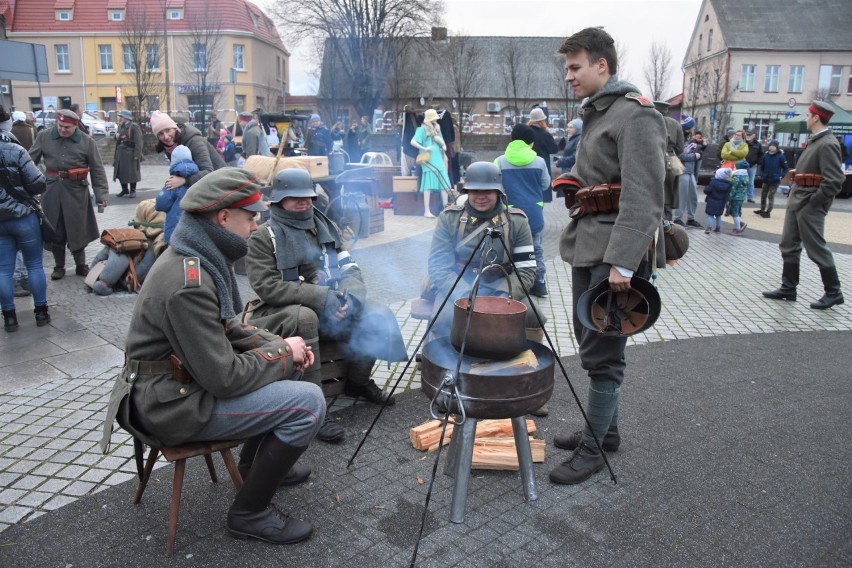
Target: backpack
{"type": "Point", "coordinates": [123, 241]}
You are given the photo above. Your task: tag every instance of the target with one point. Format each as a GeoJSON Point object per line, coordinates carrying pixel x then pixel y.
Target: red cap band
{"type": "Point", "coordinates": [247, 201]}
{"type": "Point", "coordinates": [66, 119]}
{"type": "Point", "coordinates": [820, 113]}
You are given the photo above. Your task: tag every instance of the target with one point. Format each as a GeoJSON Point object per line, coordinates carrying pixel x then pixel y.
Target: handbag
{"type": "Point", "coordinates": [674, 165]}
{"type": "Point", "coordinates": [124, 240]}
{"type": "Point", "coordinates": [422, 158]}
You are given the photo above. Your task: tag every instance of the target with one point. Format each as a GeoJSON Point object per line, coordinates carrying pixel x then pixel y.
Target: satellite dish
{"type": "Point", "coordinates": [455, 104]}
{"type": "Point", "coordinates": [422, 101]}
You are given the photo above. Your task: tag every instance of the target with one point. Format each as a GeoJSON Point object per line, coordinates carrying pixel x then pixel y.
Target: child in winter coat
{"type": "Point", "coordinates": [717, 196]}
{"type": "Point", "coordinates": [229, 153]}
{"type": "Point", "coordinates": [168, 200]}
{"type": "Point", "coordinates": [737, 194]}
{"type": "Point", "coordinates": [774, 168]}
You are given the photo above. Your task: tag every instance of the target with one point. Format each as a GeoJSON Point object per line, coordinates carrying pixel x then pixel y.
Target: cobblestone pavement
{"type": "Point", "coordinates": [56, 380]}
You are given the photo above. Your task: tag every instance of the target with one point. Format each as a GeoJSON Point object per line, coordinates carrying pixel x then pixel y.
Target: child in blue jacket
{"type": "Point", "coordinates": [168, 200]}
{"type": "Point", "coordinates": [717, 196]}
{"type": "Point", "coordinates": [737, 194]}
{"type": "Point", "coordinates": [772, 171]}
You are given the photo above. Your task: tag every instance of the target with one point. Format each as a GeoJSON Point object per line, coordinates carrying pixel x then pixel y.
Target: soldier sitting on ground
{"type": "Point", "coordinates": [309, 285]}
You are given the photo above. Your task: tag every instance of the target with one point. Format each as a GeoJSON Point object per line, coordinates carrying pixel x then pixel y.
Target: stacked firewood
{"type": "Point", "coordinates": [493, 446]}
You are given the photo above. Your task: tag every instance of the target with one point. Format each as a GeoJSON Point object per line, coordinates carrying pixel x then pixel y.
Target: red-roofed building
{"type": "Point", "coordinates": [90, 62]}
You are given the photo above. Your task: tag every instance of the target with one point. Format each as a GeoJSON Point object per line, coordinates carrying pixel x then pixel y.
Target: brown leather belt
{"type": "Point", "coordinates": [170, 367]}
{"type": "Point", "coordinates": [74, 174]}
{"type": "Point", "coordinates": [57, 173]}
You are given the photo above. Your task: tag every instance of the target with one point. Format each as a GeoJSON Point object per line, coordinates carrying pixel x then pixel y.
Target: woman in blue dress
{"type": "Point", "coordinates": [434, 178]}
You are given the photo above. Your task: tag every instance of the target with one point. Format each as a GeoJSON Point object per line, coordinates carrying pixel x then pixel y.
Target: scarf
{"type": "Point", "coordinates": [735, 144]}
{"type": "Point", "coordinates": [217, 249]}
{"type": "Point", "coordinates": [306, 234]}
{"type": "Point", "coordinates": [480, 215]}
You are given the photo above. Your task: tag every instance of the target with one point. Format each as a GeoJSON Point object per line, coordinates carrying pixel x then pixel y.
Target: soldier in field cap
{"type": "Point", "coordinates": [818, 178]}
{"type": "Point", "coordinates": [195, 372]}
{"type": "Point", "coordinates": [70, 158]}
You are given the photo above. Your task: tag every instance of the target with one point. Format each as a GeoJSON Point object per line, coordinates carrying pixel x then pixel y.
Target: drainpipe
{"type": "Point", "coordinates": [83, 68]}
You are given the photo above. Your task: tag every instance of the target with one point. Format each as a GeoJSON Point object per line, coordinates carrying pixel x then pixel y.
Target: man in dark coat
{"type": "Point", "coordinates": [195, 373]}
{"type": "Point", "coordinates": [624, 141]}
{"type": "Point", "coordinates": [78, 110]}
{"type": "Point", "coordinates": [70, 156]}
{"type": "Point", "coordinates": [674, 147]}
{"type": "Point", "coordinates": [22, 130]}
{"type": "Point", "coordinates": [544, 145]}
{"type": "Point", "coordinates": [128, 154]}
{"type": "Point", "coordinates": [818, 179]}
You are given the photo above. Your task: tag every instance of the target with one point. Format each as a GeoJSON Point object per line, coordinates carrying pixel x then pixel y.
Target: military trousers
{"type": "Point", "coordinates": [805, 226]}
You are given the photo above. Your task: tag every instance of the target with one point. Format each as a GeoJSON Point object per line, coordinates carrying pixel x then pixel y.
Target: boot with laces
{"type": "Point", "coordinates": [41, 316]}
{"type": "Point", "coordinates": [610, 442]}
{"type": "Point", "coordinates": [583, 463]}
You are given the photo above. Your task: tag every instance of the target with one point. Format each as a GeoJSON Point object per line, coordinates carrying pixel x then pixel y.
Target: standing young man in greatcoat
{"type": "Point", "coordinates": [624, 141]}
{"type": "Point", "coordinates": [819, 177]}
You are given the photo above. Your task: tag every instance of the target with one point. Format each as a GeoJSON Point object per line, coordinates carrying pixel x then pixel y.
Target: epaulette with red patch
{"type": "Point", "coordinates": [191, 272]}
{"type": "Point", "coordinates": [641, 99]}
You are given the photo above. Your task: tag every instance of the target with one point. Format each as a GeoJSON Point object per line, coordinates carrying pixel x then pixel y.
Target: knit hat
{"type": "Point", "coordinates": [577, 123]}
{"type": "Point", "coordinates": [225, 188]}
{"type": "Point", "coordinates": [431, 115]}
{"type": "Point", "coordinates": [774, 143]}
{"type": "Point", "coordinates": [18, 116]}
{"type": "Point", "coordinates": [723, 173]}
{"type": "Point", "coordinates": [5, 121]}
{"type": "Point", "coordinates": [742, 165]}
{"type": "Point", "coordinates": [223, 132]}
{"type": "Point", "coordinates": [537, 114]}
{"type": "Point", "coordinates": [160, 121]}
{"type": "Point", "coordinates": [523, 132]}
{"type": "Point", "coordinates": [740, 172]}
{"type": "Point", "coordinates": [181, 154]}
{"type": "Point", "coordinates": [687, 122]}
{"type": "Point", "coordinates": [315, 118]}
{"type": "Point", "coordinates": [729, 132]}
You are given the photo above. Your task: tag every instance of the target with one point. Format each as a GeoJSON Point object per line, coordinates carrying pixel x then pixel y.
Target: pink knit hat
{"type": "Point", "coordinates": [160, 121]}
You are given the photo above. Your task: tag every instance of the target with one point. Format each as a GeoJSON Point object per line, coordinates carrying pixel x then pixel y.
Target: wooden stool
{"type": "Point", "coordinates": [178, 455]}
{"type": "Point", "coordinates": [333, 369]}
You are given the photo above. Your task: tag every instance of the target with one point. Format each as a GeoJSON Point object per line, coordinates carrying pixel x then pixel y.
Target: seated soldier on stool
{"type": "Point", "coordinates": [308, 285]}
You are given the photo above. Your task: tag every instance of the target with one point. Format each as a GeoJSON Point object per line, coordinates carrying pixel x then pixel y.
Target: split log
{"type": "Point", "coordinates": [426, 435]}
{"type": "Point", "coordinates": [500, 453]}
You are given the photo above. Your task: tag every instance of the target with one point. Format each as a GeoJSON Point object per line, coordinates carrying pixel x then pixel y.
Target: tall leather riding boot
{"type": "Point", "coordinates": [252, 515]}
{"type": "Point", "coordinates": [123, 190]}
{"type": "Point", "coordinates": [298, 473]}
{"type": "Point", "coordinates": [789, 281]}
{"type": "Point", "coordinates": [80, 262]}
{"type": "Point", "coordinates": [58, 250]}
{"type": "Point", "coordinates": [831, 283]}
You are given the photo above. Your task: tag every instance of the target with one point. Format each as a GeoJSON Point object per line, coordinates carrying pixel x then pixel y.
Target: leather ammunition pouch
{"type": "Point", "coordinates": [74, 174]}
{"type": "Point", "coordinates": [807, 180]}
{"type": "Point", "coordinates": [602, 198]}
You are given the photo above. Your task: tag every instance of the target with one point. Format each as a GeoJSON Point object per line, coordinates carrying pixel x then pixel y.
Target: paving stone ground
{"type": "Point", "coordinates": [735, 419]}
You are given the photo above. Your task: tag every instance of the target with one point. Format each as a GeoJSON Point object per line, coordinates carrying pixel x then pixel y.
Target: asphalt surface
{"type": "Point", "coordinates": [735, 429]}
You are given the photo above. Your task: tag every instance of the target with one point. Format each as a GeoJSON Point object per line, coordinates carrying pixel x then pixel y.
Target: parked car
{"type": "Point", "coordinates": [98, 126]}
{"type": "Point", "coordinates": [44, 119]}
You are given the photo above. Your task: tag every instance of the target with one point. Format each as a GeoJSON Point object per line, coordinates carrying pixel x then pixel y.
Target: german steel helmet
{"type": "Point", "coordinates": [483, 176]}
{"type": "Point", "coordinates": [619, 313]}
{"type": "Point", "coordinates": [291, 182]}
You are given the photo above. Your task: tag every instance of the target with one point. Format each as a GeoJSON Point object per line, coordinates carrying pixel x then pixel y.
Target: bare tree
{"type": "Point", "coordinates": [657, 71]}
{"type": "Point", "coordinates": [565, 90]}
{"type": "Point", "coordinates": [694, 73]}
{"type": "Point", "coordinates": [464, 58]}
{"type": "Point", "coordinates": [356, 33]}
{"type": "Point", "coordinates": [202, 54]}
{"type": "Point", "coordinates": [516, 71]}
{"type": "Point", "coordinates": [718, 90]}
{"type": "Point", "coordinates": [623, 55]}
{"type": "Point", "coordinates": [141, 47]}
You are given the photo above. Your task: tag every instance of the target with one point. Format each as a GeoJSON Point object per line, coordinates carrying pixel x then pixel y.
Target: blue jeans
{"type": "Point", "coordinates": [294, 410]}
{"type": "Point", "coordinates": [22, 234]}
{"type": "Point", "coordinates": [688, 197]}
{"type": "Point", "coordinates": [752, 171]}
{"type": "Point", "coordinates": [20, 269]}
{"type": "Point", "coordinates": [540, 268]}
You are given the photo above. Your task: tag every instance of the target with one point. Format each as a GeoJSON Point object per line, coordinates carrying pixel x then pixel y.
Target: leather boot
{"type": "Point", "coordinates": [80, 262]}
{"type": "Point", "coordinates": [831, 283]}
{"type": "Point", "coordinates": [582, 464]}
{"type": "Point", "coordinates": [252, 515]}
{"type": "Point", "coordinates": [359, 383]}
{"type": "Point", "coordinates": [123, 190]}
{"type": "Point", "coordinates": [41, 316]}
{"type": "Point", "coordinates": [610, 443]}
{"type": "Point", "coordinates": [298, 473]}
{"type": "Point", "coordinates": [58, 273]}
{"type": "Point", "coordinates": [10, 321]}
{"type": "Point", "coordinates": [789, 281]}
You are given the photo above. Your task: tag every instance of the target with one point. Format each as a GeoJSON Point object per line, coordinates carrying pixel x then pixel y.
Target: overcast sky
{"type": "Point", "coordinates": [635, 24]}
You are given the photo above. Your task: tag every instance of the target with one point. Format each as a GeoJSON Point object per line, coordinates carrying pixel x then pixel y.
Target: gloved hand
{"type": "Point", "coordinates": [334, 309]}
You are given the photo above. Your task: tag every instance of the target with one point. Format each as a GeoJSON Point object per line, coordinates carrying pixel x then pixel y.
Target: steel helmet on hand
{"type": "Point", "coordinates": [481, 176]}
{"type": "Point", "coordinates": [619, 313]}
{"type": "Point", "coordinates": [292, 182]}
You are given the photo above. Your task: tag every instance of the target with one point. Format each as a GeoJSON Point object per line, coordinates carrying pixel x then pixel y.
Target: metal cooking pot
{"type": "Point", "coordinates": [503, 393]}
{"type": "Point", "coordinates": [497, 329]}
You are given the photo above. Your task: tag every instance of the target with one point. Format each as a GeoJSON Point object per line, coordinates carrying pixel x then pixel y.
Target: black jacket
{"type": "Point", "coordinates": [21, 176]}
{"type": "Point", "coordinates": [755, 152]}
{"type": "Point", "coordinates": [544, 145]}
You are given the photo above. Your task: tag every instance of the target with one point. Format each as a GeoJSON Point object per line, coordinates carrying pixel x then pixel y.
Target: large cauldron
{"type": "Point", "coordinates": [504, 393]}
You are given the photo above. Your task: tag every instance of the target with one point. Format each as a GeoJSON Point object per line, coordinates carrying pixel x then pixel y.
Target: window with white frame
{"type": "Point", "coordinates": [199, 57]}
{"type": "Point", "coordinates": [773, 77]}
{"type": "Point", "coordinates": [128, 57]}
{"type": "Point", "coordinates": [105, 55]}
{"type": "Point", "coordinates": [797, 79]}
{"type": "Point", "coordinates": [710, 40]}
{"type": "Point", "coordinates": [152, 57]}
{"type": "Point", "coordinates": [239, 56]}
{"type": "Point", "coordinates": [116, 15]}
{"type": "Point", "coordinates": [63, 62]}
{"type": "Point", "coordinates": [63, 15]}
{"type": "Point", "coordinates": [175, 14]}
{"type": "Point", "coordinates": [747, 78]}
{"type": "Point", "coordinates": [829, 78]}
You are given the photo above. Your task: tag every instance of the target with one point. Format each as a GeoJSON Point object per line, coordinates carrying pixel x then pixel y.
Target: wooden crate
{"type": "Point", "coordinates": [384, 176]}
{"type": "Point", "coordinates": [377, 214]}
{"type": "Point", "coordinates": [334, 368]}
{"type": "Point", "coordinates": [408, 203]}
{"type": "Point", "coordinates": [403, 184]}
{"type": "Point", "coordinates": [317, 166]}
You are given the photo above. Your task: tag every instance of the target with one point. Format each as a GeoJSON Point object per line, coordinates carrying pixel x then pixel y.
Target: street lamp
{"type": "Point", "coordinates": [166, 54]}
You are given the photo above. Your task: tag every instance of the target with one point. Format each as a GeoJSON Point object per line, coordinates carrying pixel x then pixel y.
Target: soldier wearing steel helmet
{"type": "Point", "coordinates": [309, 285]}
